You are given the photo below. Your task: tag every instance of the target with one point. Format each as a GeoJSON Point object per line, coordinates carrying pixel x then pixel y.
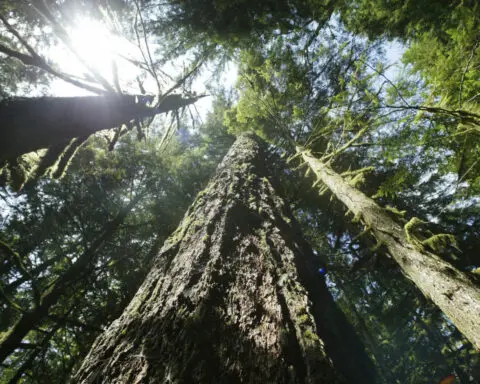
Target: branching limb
{"type": "Point", "coordinates": [17, 260]}
{"type": "Point", "coordinates": [10, 302]}
{"type": "Point", "coordinates": [34, 59]}
{"type": "Point", "coordinates": [42, 9]}
{"type": "Point", "coordinates": [347, 145]}
{"type": "Point", "coordinates": [149, 63]}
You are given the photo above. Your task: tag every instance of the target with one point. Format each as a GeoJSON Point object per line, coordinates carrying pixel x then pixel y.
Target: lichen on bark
{"type": "Point", "coordinates": [448, 287]}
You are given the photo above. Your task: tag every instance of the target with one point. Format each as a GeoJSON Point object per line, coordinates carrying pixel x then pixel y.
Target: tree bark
{"type": "Point", "coordinates": [233, 297]}
{"type": "Point", "coordinates": [450, 289]}
{"type": "Point", "coordinates": [29, 124]}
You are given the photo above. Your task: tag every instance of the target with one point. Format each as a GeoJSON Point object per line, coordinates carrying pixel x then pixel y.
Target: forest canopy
{"type": "Point", "coordinates": [114, 116]}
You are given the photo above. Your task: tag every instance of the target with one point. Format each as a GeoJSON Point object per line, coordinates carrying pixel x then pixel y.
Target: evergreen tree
{"type": "Point", "coordinates": [404, 149]}
{"type": "Point", "coordinates": [452, 290]}
{"type": "Point", "coordinates": [59, 221]}
{"type": "Point", "coordinates": [233, 296]}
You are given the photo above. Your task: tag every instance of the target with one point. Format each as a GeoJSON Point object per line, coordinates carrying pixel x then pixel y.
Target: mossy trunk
{"type": "Point", "coordinates": [233, 297]}
{"type": "Point", "coordinates": [30, 124]}
{"type": "Point", "coordinates": [450, 289]}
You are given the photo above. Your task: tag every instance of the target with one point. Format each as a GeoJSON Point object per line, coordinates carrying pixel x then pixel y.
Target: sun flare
{"type": "Point", "coordinates": [95, 44]}
{"type": "Point", "coordinates": [93, 48]}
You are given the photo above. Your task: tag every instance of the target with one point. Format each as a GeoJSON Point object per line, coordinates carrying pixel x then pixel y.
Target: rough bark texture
{"type": "Point", "coordinates": [450, 289]}
{"type": "Point", "coordinates": [226, 300]}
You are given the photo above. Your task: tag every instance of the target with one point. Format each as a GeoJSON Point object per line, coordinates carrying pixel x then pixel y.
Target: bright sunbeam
{"type": "Point", "coordinates": [100, 50]}
{"type": "Point", "coordinates": [95, 45]}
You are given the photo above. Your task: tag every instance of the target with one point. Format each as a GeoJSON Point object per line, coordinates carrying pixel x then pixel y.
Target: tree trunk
{"type": "Point", "coordinates": [29, 124]}
{"type": "Point", "coordinates": [233, 297]}
{"type": "Point", "coordinates": [450, 289]}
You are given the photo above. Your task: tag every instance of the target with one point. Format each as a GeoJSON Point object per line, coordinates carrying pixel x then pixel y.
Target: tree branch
{"type": "Point", "coordinates": [43, 10]}
{"type": "Point", "coordinates": [34, 59]}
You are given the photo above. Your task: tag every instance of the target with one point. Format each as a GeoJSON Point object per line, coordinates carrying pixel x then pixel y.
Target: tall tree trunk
{"type": "Point", "coordinates": [233, 297]}
{"type": "Point", "coordinates": [450, 289]}
{"type": "Point", "coordinates": [29, 124]}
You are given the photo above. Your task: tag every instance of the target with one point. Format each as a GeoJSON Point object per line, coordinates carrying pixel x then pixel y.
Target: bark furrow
{"type": "Point", "coordinates": [226, 301]}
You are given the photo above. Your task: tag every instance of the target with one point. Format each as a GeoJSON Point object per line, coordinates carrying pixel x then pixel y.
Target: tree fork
{"type": "Point", "coordinates": [233, 296]}
{"type": "Point", "coordinates": [450, 289]}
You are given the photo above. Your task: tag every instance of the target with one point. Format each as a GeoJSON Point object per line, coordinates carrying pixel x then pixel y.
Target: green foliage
{"type": "Point", "coordinates": [403, 19]}
{"type": "Point", "coordinates": [396, 183]}
{"type": "Point", "coordinates": [297, 89]}
{"type": "Point", "coordinates": [53, 223]}
{"type": "Point", "coordinates": [450, 67]}
{"type": "Point", "coordinates": [302, 80]}
{"type": "Point", "coordinates": [239, 22]}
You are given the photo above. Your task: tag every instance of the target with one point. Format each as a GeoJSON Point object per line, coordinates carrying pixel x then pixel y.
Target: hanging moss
{"type": "Point", "coordinates": [395, 211]}
{"type": "Point", "coordinates": [440, 241]}
{"type": "Point", "coordinates": [409, 232]}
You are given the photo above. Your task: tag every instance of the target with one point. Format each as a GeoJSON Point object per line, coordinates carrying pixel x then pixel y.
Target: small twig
{"type": "Point", "coordinates": [388, 80]}
{"type": "Point", "coordinates": [36, 60]}
{"type": "Point", "coordinates": [465, 72]}
{"type": "Point", "coordinates": [147, 46]}
{"type": "Point", "coordinates": [180, 82]}
{"type": "Point", "coordinates": [43, 10]}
